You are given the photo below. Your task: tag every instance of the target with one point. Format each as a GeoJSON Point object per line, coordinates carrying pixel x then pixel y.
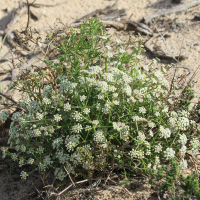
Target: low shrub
{"type": "Point", "coordinates": [98, 109]}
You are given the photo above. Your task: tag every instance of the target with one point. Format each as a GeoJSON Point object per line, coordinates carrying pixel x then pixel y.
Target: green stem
{"type": "Point", "coordinates": [106, 61]}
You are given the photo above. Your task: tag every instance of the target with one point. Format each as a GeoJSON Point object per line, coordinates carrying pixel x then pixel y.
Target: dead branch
{"type": "Point", "coordinates": [161, 56]}
{"type": "Point", "coordinates": [179, 8]}
{"type": "Point", "coordinates": [126, 25]}
{"type": "Point", "coordinates": [36, 5]}
{"type": "Point", "coordinates": [22, 9]}
{"type": "Point", "coordinates": [104, 11]}
{"type": "Point", "coordinates": [27, 66]}
{"type": "Point", "coordinates": [8, 98]}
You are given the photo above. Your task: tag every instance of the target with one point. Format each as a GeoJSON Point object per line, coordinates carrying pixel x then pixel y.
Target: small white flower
{"type": "Point", "coordinates": [109, 54]}
{"type": "Point", "coordinates": [108, 47]}
{"type": "Point", "coordinates": [183, 123]}
{"type": "Point", "coordinates": [83, 98]}
{"type": "Point", "coordinates": [182, 139]}
{"type": "Point", "coordinates": [141, 137]}
{"type": "Point", "coordinates": [95, 122]}
{"type": "Point", "coordinates": [115, 102]}
{"type": "Point", "coordinates": [46, 101]}
{"type": "Point", "coordinates": [77, 116]}
{"type": "Point", "coordinates": [99, 137]}
{"type": "Point", "coordinates": [115, 95]}
{"type": "Point", "coordinates": [121, 50]}
{"type": "Point", "coordinates": [137, 154]}
{"type": "Point", "coordinates": [67, 107]}
{"type": "Point", "coordinates": [39, 116]}
{"type": "Point", "coordinates": [71, 142]}
{"type": "Point", "coordinates": [169, 153]}
{"type": "Point", "coordinates": [23, 175]}
{"type": "Point", "coordinates": [154, 61]}
{"type": "Point", "coordinates": [183, 150]}
{"type": "Point", "coordinates": [157, 114]}
{"type": "Point", "coordinates": [88, 128]}
{"type": "Point", "coordinates": [118, 41]}
{"type": "Point", "coordinates": [30, 161]}
{"type": "Point", "coordinates": [183, 164]}
{"type": "Point", "coordinates": [164, 132]}
{"type": "Point", "coordinates": [142, 110]}
{"type": "Point", "coordinates": [158, 74]}
{"type": "Point", "coordinates": [139, 57]}
{"type": "Point", "coordinates": [157, 160]}
{"type": "Point", "coordinates": [151, 124]}
{"type": "Point", "coordinates": [57, 117]}
{"type": "Point", "coordinates": [86, 111]}
{"type": "Point", "coordinates": [158, 148]}
{"type": "Point", "coordinates": [151, 133]}
{"type": "Point", "coordinates": [136, 118]}
{"type": "Point", "coordinates": [103, 37]}
{"type": "Point", "coordinates": [100, 96]}
{"type": "Point", "coordinates": [77, 128]}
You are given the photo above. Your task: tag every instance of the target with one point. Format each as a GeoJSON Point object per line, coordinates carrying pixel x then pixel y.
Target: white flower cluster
{"type": "Point", "coordinates": [172, 121]}
{"type": "Point", "coordinates": [183, 113]}
{"type": "Point", "coordinates": [39, 116]}
{"type": "Point", "coordinates": [182, 139]}
{"type": "Point", "coordinates": [195, 145]}
{"type": "Point", "coordinates": [77, 128]}
{"type": "Point", "coordinates": [142, 110]}
{"type": "Point", "coordinates": [77, 116]}
{"type": "Point", "coordinates": [183, 164]}
{"type": "Point", "coordinates": [169, 153]}
{"type": "Point", "coordinates": [118, 125]}
{"type": "Point", "coordinates": [158, 148]}
{"type": "Point", "coordinates": [57, 117]}
{"type": "Point", "coordinates": [127, 89]}
{"type": "Point", "coordinates": [83, 98]}
{"type": "Point", "coordinates": [159, 75]}
{"type": "Point", "coordinates": [88, 128]}
{"type": "Point", "coordinates": [67, 107]}
{"type": "Point", "coordinates": [106, 109]}
{"type": "Point", "coordinates": [95, 122]}
{"type": "Point", "coordinates": [102, 86]}
{"type": "Point", "coordinates": [109, 77]}
{"type": "Point", "coordinates": [141, 137]}
{"type": "Point", "coordinates": [183, 149]}
{"type": "Point", "coordinates": [151, 124]}
{"type": "Point", "coordinates": [136, 154]}
{"type": "Point", "coordinates": [124, 132]}
{"type": "Point", "coordinates": [99, 136]}
{"type": "Point", "coordinates": [24, 175]}
{"type": "Point", "coordinates": [183, 123]}
{"type": "Point", "coordinates": [164, 132]}
{"type": "Point", "coordinates": [137, 118]}
{"type": "Point", "coordinates": [71, 142]}
{"type": "Point", "coordinates": [46, 101]}
{"type": "Point", "coordinates": [86, 111]}
{"type": "Point", "coordinates": [94, 70]}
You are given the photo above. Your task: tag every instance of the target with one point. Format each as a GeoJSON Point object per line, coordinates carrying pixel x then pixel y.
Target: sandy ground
{"type": "Point", "coordinates": [184, 40]}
